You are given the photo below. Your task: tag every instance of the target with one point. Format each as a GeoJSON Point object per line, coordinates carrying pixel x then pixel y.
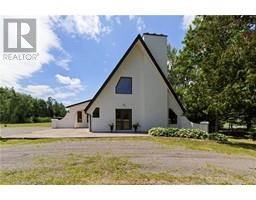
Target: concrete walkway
{"type": "Point", "coordinates": [66, 133]}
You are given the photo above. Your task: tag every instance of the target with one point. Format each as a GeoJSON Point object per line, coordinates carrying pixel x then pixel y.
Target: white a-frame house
{"type": "Point", "coordinates": [136, 92]}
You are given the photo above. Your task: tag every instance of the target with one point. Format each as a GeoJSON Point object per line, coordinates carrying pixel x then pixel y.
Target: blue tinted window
{"type": "Point", "coordinates": [124, 86]}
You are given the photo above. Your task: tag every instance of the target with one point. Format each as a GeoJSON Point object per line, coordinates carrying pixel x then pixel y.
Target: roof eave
{"type": "Point", "coordinates": [78, 103]}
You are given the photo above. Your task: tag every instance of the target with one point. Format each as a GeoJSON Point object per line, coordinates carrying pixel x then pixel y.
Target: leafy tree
{"type": "Point", "coordinates": [215, 73]}
{"type": "Point", "coordinates": [17, 108]}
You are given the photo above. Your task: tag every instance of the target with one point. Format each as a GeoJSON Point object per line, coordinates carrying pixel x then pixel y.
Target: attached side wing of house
{"type": "Point", "coordinates": [75, 117]}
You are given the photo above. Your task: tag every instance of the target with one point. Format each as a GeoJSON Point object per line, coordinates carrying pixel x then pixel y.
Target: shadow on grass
{"type": "Point", "coordinates": [20, 139]}
{"type": "Point", "coordinates": [243, 145]}
{"type": "Point", "coordinates": [3, 139]}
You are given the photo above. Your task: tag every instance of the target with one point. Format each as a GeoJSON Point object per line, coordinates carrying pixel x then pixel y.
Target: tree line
{"type": "Point", "coordinates": [214, 73]}
{"type": "Point", "coordinates": [21, 108]}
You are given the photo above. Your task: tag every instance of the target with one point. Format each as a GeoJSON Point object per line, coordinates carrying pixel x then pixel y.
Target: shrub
{"type": "Point", "coordinates": [218, 136]}
{"type": "Point", "coordinates": [253, 135]}
{"type": "Point", "coordinates": [158, 132]}
{"type": "Point", "coordinates": [29, 120]}
{"type": "Point", "coordinates": [176, 132]}
{"type": "Point", "coordinates": [41, 119]}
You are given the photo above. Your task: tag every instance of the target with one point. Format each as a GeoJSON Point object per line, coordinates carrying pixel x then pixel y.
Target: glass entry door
{"type": "Point", "coordinates": [123, 119]}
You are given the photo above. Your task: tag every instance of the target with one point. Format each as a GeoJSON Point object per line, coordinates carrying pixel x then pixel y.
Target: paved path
{"type": "Point", "coordinates": [153, 157]}
{"type": "Point", "coordinates": [59, 133]}
{"type": "Point", "coordinates": [20, 131]}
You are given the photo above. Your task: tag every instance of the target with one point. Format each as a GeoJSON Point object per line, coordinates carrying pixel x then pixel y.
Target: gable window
{"type": "Point", "coordinates": [124, 85]}
{"type": "Point", "coordinates": [79, 116]}
{"type": "Point", "coordinates": [96, 113]}
{"type": "Point", "coordinates": [172, 117]}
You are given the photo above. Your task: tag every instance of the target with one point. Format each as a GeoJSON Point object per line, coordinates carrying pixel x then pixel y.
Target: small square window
{"type": "Point", "coordinates": [96, 113]}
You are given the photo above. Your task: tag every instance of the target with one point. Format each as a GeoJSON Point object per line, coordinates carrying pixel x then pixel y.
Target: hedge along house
{"type": "Point", "coordinates": [136, 92]}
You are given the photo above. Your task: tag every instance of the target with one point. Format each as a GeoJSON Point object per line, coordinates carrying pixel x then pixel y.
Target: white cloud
{"type": "Point", "coordinates": [108, 17]}
{"type": "Point", "coordinates": [64, 95]}
{"type": "Point", "coordinates": [64, 63]}
{"type": "Point", "coordinates": [40, 91]}
{"type": "Point", "coordinates": [14, 71]}
{"type": "Point", "coordinates": [45, 91]}
{"type": "Point", "coordinates": [88, 26]}
{"type": "Point", "coordinates": [112, 18]}
{"type": "Point", "coordinates": [140, 24]}
{"type": "Point", "coordinates": [118, 20]}
{"type": "Point", "coordinates": [187, 21]}
{"type": "Point", "coordinates": [71, 83]}
{"type": "Point", "coordinates": [131, 17]}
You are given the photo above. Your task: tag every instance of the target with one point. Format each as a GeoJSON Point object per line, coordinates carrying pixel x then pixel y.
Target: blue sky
{"type": "Point", "coordinates": [78, 53]}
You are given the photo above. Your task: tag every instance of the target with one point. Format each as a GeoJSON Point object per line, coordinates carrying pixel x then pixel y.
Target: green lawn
{"type": "Point", "coordinates": [44, 124]}
{"type": "Point", "coordinates": [232, 147]}
{"type": "Point", "coordinates": [11, 142]}
{"type": "Point", "coordinates": [77, 169]}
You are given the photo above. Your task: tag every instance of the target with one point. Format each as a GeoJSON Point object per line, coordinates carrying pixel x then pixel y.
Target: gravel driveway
{"type": "Point", "coordinates": [154, 157]}
{"type": "Point", "coordinates": [44, 132]}
{"type": "Point", "coordinates": [13, 132]}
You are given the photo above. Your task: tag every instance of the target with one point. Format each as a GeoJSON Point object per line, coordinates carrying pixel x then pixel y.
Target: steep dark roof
{"type": "Point", "coordinates": [78, 103]}
{"type": "Point", "coordinates": [138, 38]}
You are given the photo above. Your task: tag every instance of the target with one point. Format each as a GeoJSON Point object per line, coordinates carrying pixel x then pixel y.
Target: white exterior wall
{"type": "Point", "coordinates": [70, 119]}
{"type": "Point", "coordinates": [148, 100]}
{"type": "Point", "coordinates": [174, 105]}
{"type": "Point", "coordinates": [183, 122]}
{"type": "Point", "coordinates": [155, 96]}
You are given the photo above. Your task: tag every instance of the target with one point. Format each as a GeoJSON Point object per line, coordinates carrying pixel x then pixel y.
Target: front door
{"type": "Point", "coordinates": [123, 119]}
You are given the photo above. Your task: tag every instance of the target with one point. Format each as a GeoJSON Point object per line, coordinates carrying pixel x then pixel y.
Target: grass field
{"type": "Point", "coordinates": [232, 147]}
{"type": "Point", "coordinates": [76, 169]}
{"type": "Point", "coordinates": [12, 142]}
{"type": "Point", "coordinates": [44, 124]}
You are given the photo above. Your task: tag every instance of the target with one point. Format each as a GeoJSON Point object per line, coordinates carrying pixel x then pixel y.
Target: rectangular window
{"type": "Point", "coordinates": [96, 113]}
{"type": "Point", "coordinates": [79, 116]}
{"type": "Point", "coordinates": [172, 117]}
{"type": "Point", "coordinates": [124, 85]}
